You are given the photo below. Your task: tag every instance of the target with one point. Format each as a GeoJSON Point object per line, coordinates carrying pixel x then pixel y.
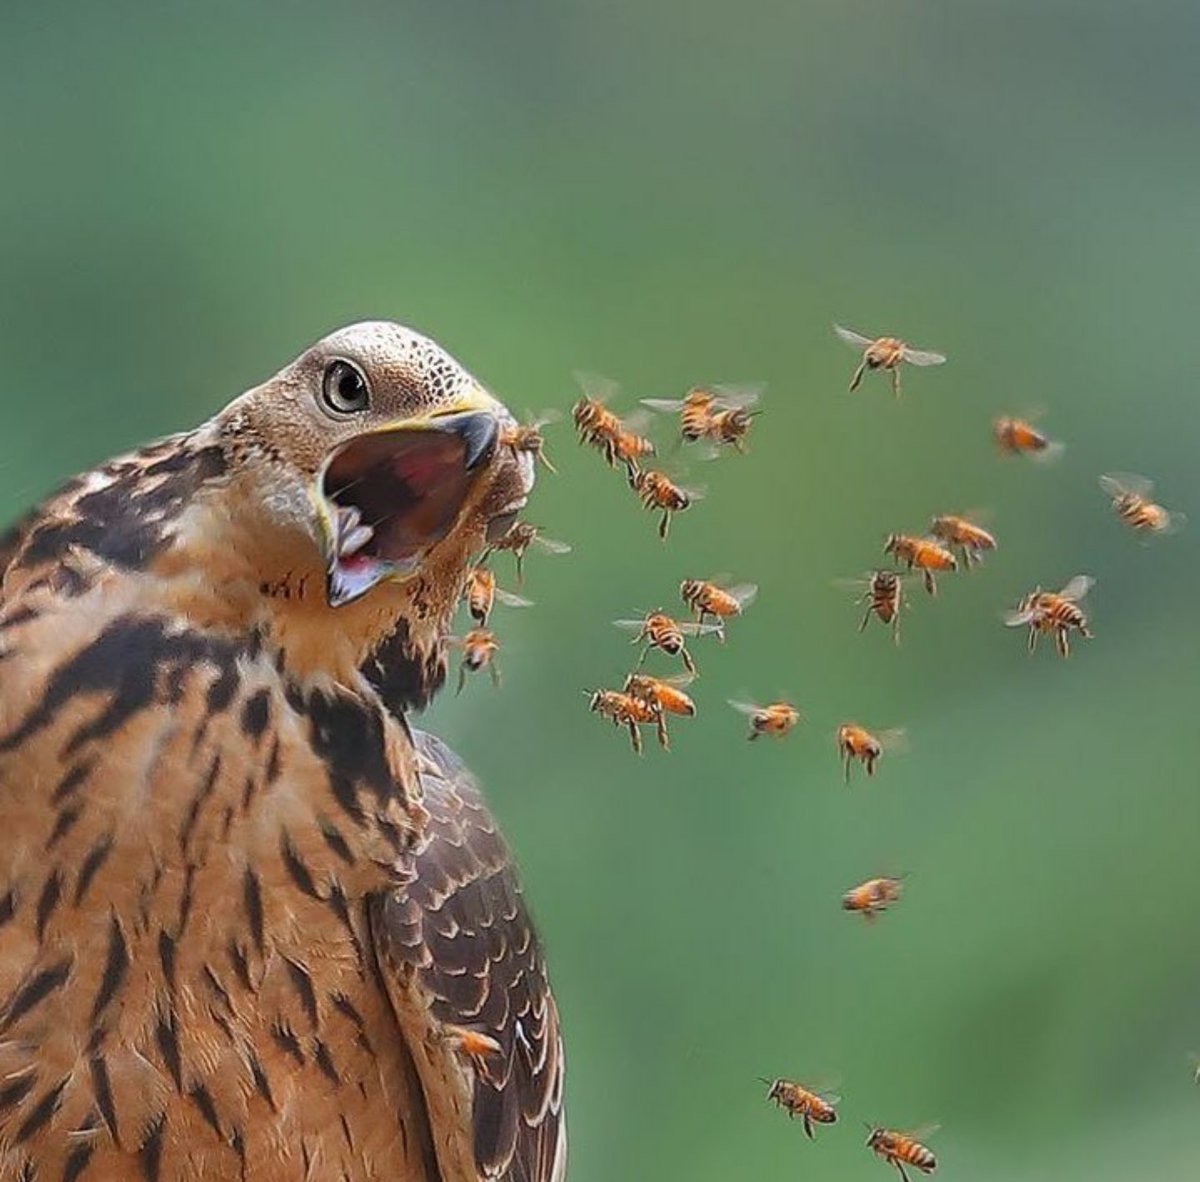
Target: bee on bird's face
{"type": "Point", "coordinates": [657, 491]}
{"type": "Point", "coordinates": [481, 593]}
{"type": "Point", "coordinates": [885, 353]}
{"type": "Point", "coordinates": [479, 650]}
{"type": "Point", "coordinates": [883, 593]}
{"type": "Point", "coordinates": [810, 1105]}
{"type": "Point", "coordinates": [926, 554]}
{"type": "Point", "coordinates": [710, 599]}
{"type": "Point", "coordinates": [479, 1049]}
{"type": "Point", "coordinates": [1131, 501]}
{"type": "Point", "coordinates": [901, 1149]}
{"type": "Point", "coordinates": [630, 711]}
{"type": "Point", "coordinates": [658, 630]}
{"type": "Point", "coordinates": [527, 437]}
{"type": "Point", "coordinates": [775, 720]}
{"type": "Point", "coordinates": [872, 896]}
{"type": "Point", "coordinates": [855, 742]}
{"type": "Point", "coordinates": [518, 538]}
{"type": "Point", "coordinates": [1019, 437]}
{"type": "Point", "coordinates": [963, 534]}
{"type": "Point", "coordinates": [721, 414]}
{"type": "Point", "coordinates": [1056, 613]}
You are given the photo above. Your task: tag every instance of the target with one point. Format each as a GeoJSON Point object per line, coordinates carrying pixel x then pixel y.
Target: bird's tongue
{"type": "Point", "coordinates": [392, 495]}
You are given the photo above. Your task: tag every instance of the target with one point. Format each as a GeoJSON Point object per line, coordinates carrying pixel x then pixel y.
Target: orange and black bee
{"type": "Point", "coordinates": [1055, 613]}
{"type": "Point", "coordinates": [855, 742]}
{"type": "Point", "coordinates": [630, 712]}
{"type": "Point", "coordinates": [596, 424]}
{"type": "Point", "coordinates": [776, 720]}
{"type": "Point", "coordinates": [719, 414]}
{"type": "Point", "coordinates": [926, 554]}
{"type": "Point", "coordinates": [1131, 500]}
{"type": "Point", "coordinates": [662, 693]}
{"type": "Point", "coordinates": [479, 650]}
{"type": "Point", "coordinates": [527, 437]}
{"type": "Point", "coordinates": [883, 593]}
{"type": "Point", "coordinates": [810, 1105]}
{"type": "Point", "coordinates": [1019, 437]}
{"type": "Point", "coordinates": [872, 896]}
{"type": "Point", "coordinates": [885, 353]}
{"type": "Point", "coordinates": [711, 599]}
{"type": "Point", "coordinates": [902, 1149]}
{"type": "Point", "coordinates": [481, 594]}
{"type": "Point", "coordinates": [658, 491]}
{"type": "Point", "coordinates": [629, 445]}
{"type": "Point", "coordinates": [520, 536]}
{"type": "Point", "coordinates": [961, 533]}
{"type": "Point", "coordinates": [658, 630]}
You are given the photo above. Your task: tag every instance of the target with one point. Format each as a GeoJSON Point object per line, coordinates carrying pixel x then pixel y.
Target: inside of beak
{"type": "Point", "coordinates": [391, 495]}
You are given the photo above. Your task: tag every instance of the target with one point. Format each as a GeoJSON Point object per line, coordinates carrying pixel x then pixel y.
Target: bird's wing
{"type": "Point", "coordinates": [458, 952]}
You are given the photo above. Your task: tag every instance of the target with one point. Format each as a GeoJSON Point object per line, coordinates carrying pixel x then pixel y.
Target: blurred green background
{"type": "Point", "coordinates": [680, 192]}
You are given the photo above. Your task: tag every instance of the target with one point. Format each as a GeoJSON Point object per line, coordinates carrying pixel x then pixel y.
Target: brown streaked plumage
{"type": "Point", "coordinates": [237, 891]}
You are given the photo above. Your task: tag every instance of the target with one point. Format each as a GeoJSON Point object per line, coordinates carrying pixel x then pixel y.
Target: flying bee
{"type": "Point", "coordinates": [479, 648]}
{"type": "Point", "coordinates": [964, 535]}
{"type": "Point", "coordinates": [926, 554]}
{"type": "Point", "coordinates": [520, 536]}
{"type": "Point", "coordinates": [901, 1149]}
{"type": "Point", "coordinates": [481, 594]}
{"type": "Point", "coordinates": [479, 1048]}
{"type": "Point", "coordinates": [872, 896]}
{"type": "Point", "coordinates": [776, 720]}
{"type": "Point", "coordinates": [1132, 504]}
{"type": "Point", "coordinates": [657, 630]}
{"type": "Point", "coordinates": [1019, 437]}
{"type": "Point", "coordinates": [1054, 612]}
{"type": "Point", "coordinates": [810, 1105]}
{"type": "Point", "coordinates": [630, 712]}
{"type": "Point", "coordinates": [710, 599]}
{"type": "Point", "coordinates": [662, 693]}
{"type": "Point", "coordinates": [527, 437]}
{"type": "Point", "coordinates": [657, 491]}
{"type": "Point", "coordinates": [884, 353]}
{"type": "Point", "coordinates": [883, 593]}
{"type": "Point", "coordinates": [856, 742]}
{"type": "Point", "coordinates": [594, 422]}
{"type": "Point", "coordinates": [718, 414]}
{"type": "Point", "coordinates": [628, 444]}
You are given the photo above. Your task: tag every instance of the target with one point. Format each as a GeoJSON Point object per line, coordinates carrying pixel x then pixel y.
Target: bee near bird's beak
{"type": "Point", "coordinates": [387, 497]}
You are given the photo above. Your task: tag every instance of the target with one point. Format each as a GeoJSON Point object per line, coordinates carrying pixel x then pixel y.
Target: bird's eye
{"type": "Point", "coordinates": [344, 389]}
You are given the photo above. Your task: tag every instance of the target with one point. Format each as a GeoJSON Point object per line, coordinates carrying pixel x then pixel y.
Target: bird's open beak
{"type": "Point", "coordinates": [386, 497]}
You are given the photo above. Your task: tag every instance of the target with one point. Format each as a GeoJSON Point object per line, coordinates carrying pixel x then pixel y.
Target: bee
{"type": "Point", "coordinates": [810, 1105]}
{"type": "Point", "coordinates": [628, 445]}
{"type": "Point", "coordinates": [657, 491]}
{"type": "Point", "coordinates": [777, 719]}
{"type": "Point", "coordinates": [662, 693]}
{"type": "Point", "coordinates": [872, 896]}
{"type": "Point", "coordinates": [594, 422]}
{"type": "Point", "coordinates": [479, 648]}
{"type": "Point", "coordinates": [630, 712]}
{"type": "Point", "coordinates": [856, 742]}
{"type": "Point", "coordinates": [1019, 437]}
{"type": "Point", "coordinates": [481, 592]}
{"type": "Point", "coordinates": [710, 599]}
{"type": "Point", "coordinates": [884, 353]}
{"type": "Point", "coordinates": [519, 537]}
{"type": "Point", "coordinates": [657, 630]}
{"type": "Point", "coordinates": [527, 437]}
{"type": "Point", "coordinates": [970, 539]}
{"type": "Point", "coordinates": [1054, 612]}
{"type": "Point", "coordinates": [926, 554]}
{"type": "Point", "coordinates": [474, 1045]}
{"type": "Point", "coordinates": [720, 414]}
{"type": "Point", "coordinates": [901, 1149]}
{"type": "Point", "coordinates": [1132, 504]}
{"type": "Point", "coordinates": [883, 593]}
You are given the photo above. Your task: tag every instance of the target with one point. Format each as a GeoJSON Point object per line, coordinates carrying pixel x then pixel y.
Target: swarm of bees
{"type": "Point", "coordinates": [712, 419]}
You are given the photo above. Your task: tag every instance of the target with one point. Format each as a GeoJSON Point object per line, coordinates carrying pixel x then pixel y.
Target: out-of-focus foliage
{"type": "Point", "coordinates": [673, 192]}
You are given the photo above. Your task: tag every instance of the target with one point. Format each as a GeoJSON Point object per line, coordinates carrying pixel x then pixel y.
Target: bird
{"type": "Point", "coordinates": [253, 925]}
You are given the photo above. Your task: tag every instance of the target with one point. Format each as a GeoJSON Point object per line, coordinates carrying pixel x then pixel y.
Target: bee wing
{"type": "Point", "coordinates": [747, 708]}
{"type": "Point", "coordinates": [596, 386]}
{"type": "Point", "coordinates": [1018, 619]}
{"type": "Point", "coordinates": [894, 741]}
{"type": "Point", "coordinates": [741, 396]}
{"type": "Point", "coordinates": [1050, 453]}
{"type": "Point", "coordinates": [851, 337]}
{"type": "Point", "coordinates": [697, 493]}
{"type": "Point", "coordinates": [637, 423]}
{"type": "Point", "coordinates": [852, 584]}
{"type": "Point", "coordinates": [510, 600]}
{"type": "Point", "coordinates": [1077, 588]}
{"type": "Point", "coordinates": [923, 357]}
{"type": "Point", "coordinates": [1175, 522]}
{"type": "Point", "coordinates": [545, 418]}
{"type": "Point", "coordinates": [551, 546]}
{"type": "Point", "coordinates": [663, 405]}
{"type": "Point", "coordinates": [689, 629]}
{"type": "Point", "coordinates": [744, 593]}
{"type": "Point", "coordinates": [1118, 483]}
{"type": "Point", "coordinates": [677, 680]}
{"type": "Point", "coordinates": [629, 625]}
{"type": "Point", "coordinates": [923, 1132]}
